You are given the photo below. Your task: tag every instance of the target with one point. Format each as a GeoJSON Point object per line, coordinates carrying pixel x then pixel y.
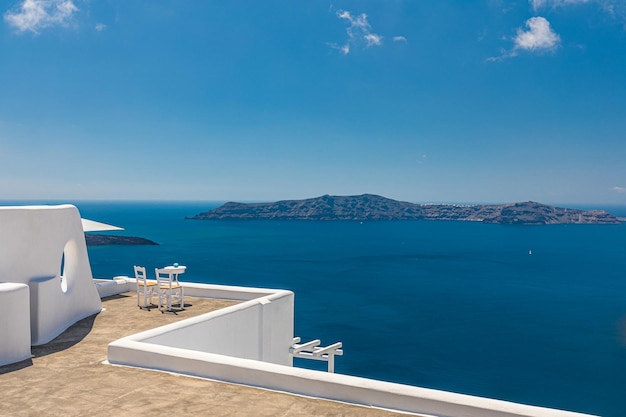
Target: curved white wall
{"type": "Point", "coordinates": [33, 242]}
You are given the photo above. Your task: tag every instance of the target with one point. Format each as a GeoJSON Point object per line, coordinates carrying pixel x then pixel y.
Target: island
{"type": "Point", "coordinates": [368, 207]}
{"type": "Point", "coordinates": [101, 240]}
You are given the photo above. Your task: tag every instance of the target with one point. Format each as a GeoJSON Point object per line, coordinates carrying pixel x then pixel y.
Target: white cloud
{"type": "Point", "coordinates": [34, 15]}
{"type": "Point", "coordinates": [100, 27]}
{"type": "Point", "coordinates": [619, 190]}
{"type": "Point", "coordinates": [359, 32]}
{"type": "Point", "coordinates": [399, 39]}
{"type": "Point", "coordinates": [539, 36]}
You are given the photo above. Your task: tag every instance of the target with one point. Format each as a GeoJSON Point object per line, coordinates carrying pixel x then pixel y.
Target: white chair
{"type": "Point", "coordinates": [169, 288]}
{"type": "Point", "coordinates": [145, 288]}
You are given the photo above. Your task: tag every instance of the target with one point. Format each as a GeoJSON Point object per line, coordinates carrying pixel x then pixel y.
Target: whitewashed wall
{"type": "Point", "coordinates": [259, 329]}
{"type": "Point", "coordinates": [33, 242]}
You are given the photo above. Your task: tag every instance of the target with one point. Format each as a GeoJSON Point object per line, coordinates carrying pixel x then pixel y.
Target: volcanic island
{"type": "Point", "coordinates": [370, 207]}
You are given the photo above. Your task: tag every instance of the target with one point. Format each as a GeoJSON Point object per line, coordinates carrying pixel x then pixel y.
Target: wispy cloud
{"type": "Point", "coordinates": [619, 190]}
{"type": "Point", "coordinates": [399, 39]}
{"type": "Point", "coordinates": [540, 4]}
{"type": "Point", "coordinates": [615, 8]}
{"type": "Point", "coordinates": [538, 36]}
{"type": "Point", "coordinates": [373, 39]}
{"type": "Point", "coordinates": [35, 15]}
{"type": "Point", "coordinates": [100, 27]}
{"type": "Point", "coordinates": [359, 32]}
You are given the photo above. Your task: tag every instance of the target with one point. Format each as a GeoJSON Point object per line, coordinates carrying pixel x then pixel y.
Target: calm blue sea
{"type": "Point", "coordinates": [457, 306]}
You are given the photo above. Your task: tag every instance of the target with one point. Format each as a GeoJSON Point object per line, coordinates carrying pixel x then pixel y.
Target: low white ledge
{"type": "Point", "coordinates": [15, 323]}
{"type": "Point", "coordinates": [307, 382]}
{"type": "Point", "coordinates": [117, 285]}
{"type": "Point", "coordinates": [121, 284]}
{"type": "Point", "coordinates": [247, 343]}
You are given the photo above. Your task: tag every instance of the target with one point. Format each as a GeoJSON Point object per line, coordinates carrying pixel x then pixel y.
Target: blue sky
{"type": "Point", "coordinates": [443, 101]}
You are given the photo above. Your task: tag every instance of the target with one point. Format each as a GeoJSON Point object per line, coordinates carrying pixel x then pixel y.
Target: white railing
{"type": "Point", "coordinates": [311, 350]}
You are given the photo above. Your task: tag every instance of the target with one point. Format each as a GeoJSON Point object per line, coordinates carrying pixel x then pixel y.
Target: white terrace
{"type": "Point", "coordinates": [46, 285]}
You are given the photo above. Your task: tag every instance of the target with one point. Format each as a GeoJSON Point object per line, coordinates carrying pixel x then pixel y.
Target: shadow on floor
{"type": "Point", "coordinates": [74, 334]}
{"type": "Point", "coordinates": [15, 366]}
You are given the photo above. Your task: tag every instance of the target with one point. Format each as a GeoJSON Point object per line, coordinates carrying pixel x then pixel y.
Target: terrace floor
{"type": "Point", "coordinates": [66, 377]}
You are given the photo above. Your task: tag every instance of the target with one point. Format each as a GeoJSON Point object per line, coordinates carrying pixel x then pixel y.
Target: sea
{"type": "Point", "coordinates": [530, 314]}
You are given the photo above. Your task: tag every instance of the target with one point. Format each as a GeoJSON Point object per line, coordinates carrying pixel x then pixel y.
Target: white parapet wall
{"type": "Point", "coordinates": [259, 329]}
{"type": "Point", "coordinates": [249, 344]}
